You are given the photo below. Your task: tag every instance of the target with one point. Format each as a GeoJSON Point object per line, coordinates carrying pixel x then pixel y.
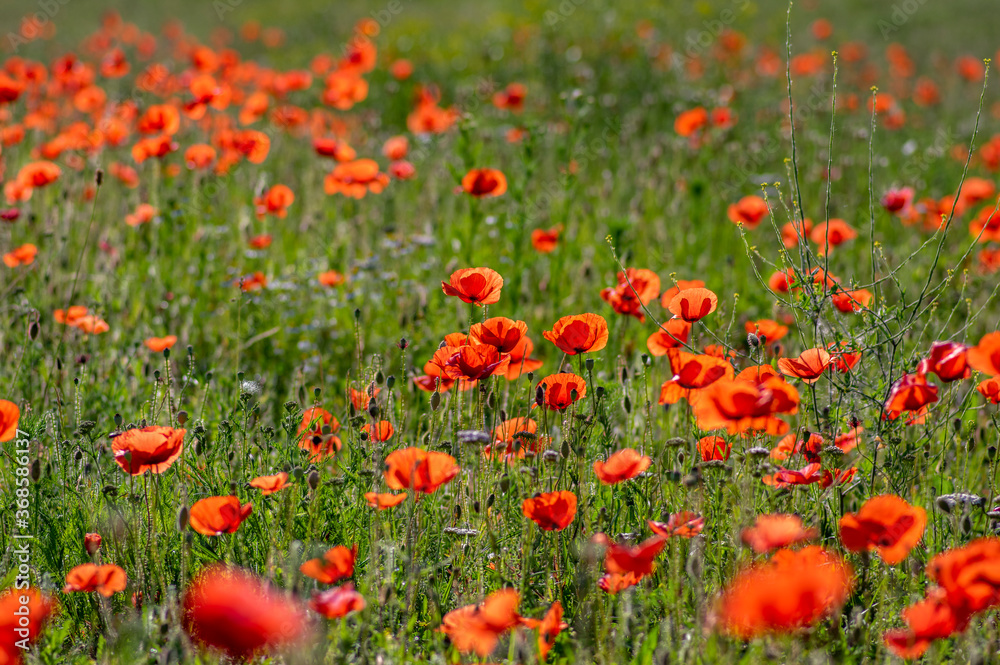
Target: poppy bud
{"type": "Point", "coordinates": [166, 354]}
{"type": "Point", "coordinates": [458, 511]}
{"type": "Point", "coordinates": [489, 501]}
{"type": "Point", "coordinates": [317, 392]}
{"type": "Point", "coordinates": [390, 381]}
{"type": "Point", "coordinates": [183, 517]}
{"type": "Point", "coordinates": [624, 374]}
{"type": "Point", "coordinates": [504, 483]}
{"type": "Point", "coordinates": [297, 473]}
{"type": "Point", "coordinates": [33, 330]}
{"type": "Point", "coordinates": [403, 343]}
{"type": "Point", "coordinates": [752, 341]}
{"type": "Point", "coordinates": [357, 315]}
{"type": "Point", "coordinates": [36, 471]}
{"type": "Point", "coordinates": [92, 543]}
{"type": "Point", "coordinates": [435, 401]}
{"type": "Point", "coordinates": [574, 395]}
{"type": "Point", "coordinates": [645, 359]}
{"type": "Point", "coordinates": [565, 448]}
{"type": "Point", "coordinates": [118, 421]}
{"type": "Point", "coordinates": [190, 350]}
{"type": "Point", "coordinates": [475, 506]}
{"type": "Point", "coordinates": [182, 417]}
{"type": "Point", "coordinates": [540, 395]}
{"type": "Point", "coordinates": [373, 409]}
{"type": "Point", "coordinates": [239, 376]}
{"type": "Point", "coordinates": [313, 479]}
{"type": "Point", "coordinates": [99, 177]}
{"type": "Point", "coordinates": [628, 403]}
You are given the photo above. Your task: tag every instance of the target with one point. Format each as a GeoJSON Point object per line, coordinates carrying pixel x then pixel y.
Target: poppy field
{"type": "Point", "coordinates": [580, 332]}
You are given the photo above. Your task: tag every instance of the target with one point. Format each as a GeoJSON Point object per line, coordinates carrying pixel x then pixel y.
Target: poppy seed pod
{"type": "Point", "coordinates": [183, 518]}
{"type": "Point", "coordinates": [390, 381]}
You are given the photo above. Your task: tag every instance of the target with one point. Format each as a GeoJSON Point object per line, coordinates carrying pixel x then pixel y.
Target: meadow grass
{"type": "Point", "coordinates": [601, 159]}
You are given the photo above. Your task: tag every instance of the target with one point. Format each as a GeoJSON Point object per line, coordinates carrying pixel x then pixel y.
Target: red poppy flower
{"type": "Point", "coordinates": [20, 256]}
{"type": "Point", "coordinates": [545, 240]}
{"type": "Point", "coordinates": [791, 445]}
{"type": "Point", "coordinates": [809, 366]}
{"type": "Point", "coordinates": [35, 608]}
{"type": "Point", "coordinates": [271, 484]}
{"type": "Point", "coordinates": [580, 333]}
{"type": "Point", "coordinates": [106, 580]}
{"type": "Point", "coordinates": [622, 465]}
{"type": "Point", "coordinates": [990, 389]}
{"type": "Point", "coordinates": [970, 576]}
{"type": "Point", "coordinates": [749, 211]}
{"type": "Point", "coordinates": [740, 406]}
{"type": "Point", "coordinates": [791, 232]}
{"type": "Point", "coordinates": [561, 390]}
{"type": "Point", "coordinates": [782, 281]}
{"type": "Point", "coordinates": [484, 183]}
{"type": "Point", "coordinates": [714, 448]}
{"type": "Point", "coordinates": [926, 621]}
{"type": "Point", "coordinates": [419, 470]}
{"type": "Point", "coordinates": [335, 148]}
{"type": "Point", "coordinates": [673, 333]}
{"type": "Point", "coordinates": [844, 357]}
{"type": "Point", "coordinates": [150, 448]}
{"type": "Point", "coordinates": [553, 511]}
{"type": "Point", "coordinates": [548, 630]}
{"type": "Point", "coordinates": [690, 121]}
{"type": "Point", "coordinates": [768, 329]}
{"type": "Point", "coordinates": [384, 501]}
{"type": "Point", "coordinates": [275, 201]}
{"type": "Point", "coordinates": [835, 232]}
{"type": "Point", "coordinates": [615, 582]}
{"type": "Point", "coordinates": [794, 590]}
{"type": "Point", "coordinates": [379, 432]}
{"type": "Point", "coordinates": [158, 344]}
{"type": "Point", "coordinates": [807, 475]}
{"type": "Point", "coordinates": [231, 610]}
{"type": "Point", "coordinates": [679, 285]}
{"type": "Point", "coordinates": [336, 564]}
{"type": "Point", "coordinates": [692, 372]}
{"type": "Point", "coordinates": [511, 98]}
{"type": "Point", "coordinates": [500, 332]}
{"type": "Point", "coordinates": [684, 524]}
{"type": "Point", "coordinates": [477, 628]}
{"type": "Point", "coordinates": [693, 304]}
{"type": "Point", "coordinates": [985, 357]}
{"type": "Point", "coordinates": [473, 362]}
{"type": "Point", "coordinates": [360, 399]}
{"type": "Point", "coordinates": [771, 532]}
{"type": "Point", "coordinates": [355, 179]}
{"type": "Point", "coordinates": [948, 360]}
{"type": "Point", "coordinates": [886, 523]}
{"type": "Point", "coordinates": [639, 560]}
{"type": "Point", "coordinates": [852, 301]}
{"type": "Point", "coordinates": [911, 393]}
{"type": "Point", "coordinates": [10, 415]}
{"type": "Point", "coordinates": [216, 515]}
{"type": "Point", "coordinates": [636, 288]}
{"type": "Point", "coordinates": [338, 602]}
{"type": "Point", "coordinates": [477, 286]}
